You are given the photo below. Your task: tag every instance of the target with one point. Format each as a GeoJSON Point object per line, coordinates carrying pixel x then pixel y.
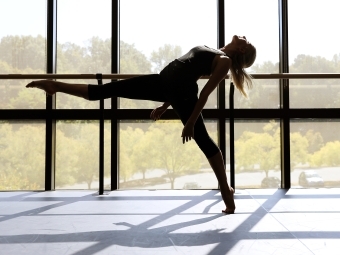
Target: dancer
{"type": "Point", "coordinates": [176, 85]}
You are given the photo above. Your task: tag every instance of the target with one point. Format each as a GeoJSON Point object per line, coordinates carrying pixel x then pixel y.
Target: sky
{"type": "Point", "coordinates": [149, 24]}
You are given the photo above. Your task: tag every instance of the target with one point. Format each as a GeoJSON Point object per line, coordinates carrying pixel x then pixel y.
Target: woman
{"type": "Point", "coordinates": [176, 86]}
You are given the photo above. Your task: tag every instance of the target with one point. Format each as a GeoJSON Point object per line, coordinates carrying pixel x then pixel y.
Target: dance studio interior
{"type": "Point", "coordinates": [81, 177]}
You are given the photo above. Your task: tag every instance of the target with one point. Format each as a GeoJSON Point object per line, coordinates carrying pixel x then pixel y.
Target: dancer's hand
{"type": "Point", "coordinates": [157, 112]}
{"type": "Point", "coordinates": [188, 132]}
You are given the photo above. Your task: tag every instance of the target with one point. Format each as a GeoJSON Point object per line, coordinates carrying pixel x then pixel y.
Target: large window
{"type": "Point", "coordinates": [35, 137]}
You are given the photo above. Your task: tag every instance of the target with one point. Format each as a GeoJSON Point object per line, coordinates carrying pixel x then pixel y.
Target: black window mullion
{"type": "Point", "coordinates": [284, 94]}
{"type": "Point", "coordinates": [114, 101]}
{"type": "Point", "coordinates": [51, 51]}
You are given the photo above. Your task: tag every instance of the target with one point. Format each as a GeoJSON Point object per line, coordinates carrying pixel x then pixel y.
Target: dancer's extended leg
{"type": "Point", "coordinates": [147, 87]}
{"type": "Point", "coordinates": [52, 87]}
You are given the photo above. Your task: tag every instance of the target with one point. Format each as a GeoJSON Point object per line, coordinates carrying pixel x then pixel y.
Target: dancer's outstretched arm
{"type": "Point", "coordinates": [52, 87]}
{"type": "Point", "coordinates": [218, 74]}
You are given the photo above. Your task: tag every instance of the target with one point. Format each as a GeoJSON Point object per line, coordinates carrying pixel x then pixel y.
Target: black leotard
{"type": "Point", "coordinates": [200, 60]}
{"type": "Point", "coordinates": [180, 76]}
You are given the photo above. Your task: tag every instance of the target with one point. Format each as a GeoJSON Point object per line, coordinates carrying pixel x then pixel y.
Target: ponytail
{"type": "Point", "coordinates": [239, 76]}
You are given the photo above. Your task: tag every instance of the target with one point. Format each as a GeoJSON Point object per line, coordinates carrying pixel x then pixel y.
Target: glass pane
{"type": "Point", "coordinates": [22, 155]}
{"type": "Point", "coordinates": [14, 95]}
{"type": "Point", "coordinates": [306, 55]}
{"type": "Point", "coordinates": [84, 44]}
{"type": "Point", "coordinates": [77, 155]}
{"type": "Point", "coordinates": [314, 93]}
{"type": "Point", "coordinates": [152, 156]}
{"type": "Point", "coordinates": [316, 50]}
{"type": "Point", "coordinates": [264, 94]}
{"type": "Point", "coordinates": [315, 150]}
{"type": "Point", "coordinates": [22, 51]}
{"type": "Point", "coordinates": [266, 41]}
{"type": "Point", "coordinates": [257, 154]}
{"type": "Point", "coordinates": [313, 42]}
{"type": "Point", "coordinates": [174, 32]}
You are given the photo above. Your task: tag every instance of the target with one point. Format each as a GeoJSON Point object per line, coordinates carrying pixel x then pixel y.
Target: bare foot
{"type": "Point", "coordinates": [231, 205]}
{"type": "Point", "coordinates": [48, 86]}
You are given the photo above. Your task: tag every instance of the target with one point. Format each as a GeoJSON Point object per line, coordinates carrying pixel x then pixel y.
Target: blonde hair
{"type": "Point", "coordinates": [240, 61]}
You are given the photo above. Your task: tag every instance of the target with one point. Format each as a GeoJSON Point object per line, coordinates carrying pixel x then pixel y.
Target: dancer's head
{"type": "Point", "coordinates": [243, 55]}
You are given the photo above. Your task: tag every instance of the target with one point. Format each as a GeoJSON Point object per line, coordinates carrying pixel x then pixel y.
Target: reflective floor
{"type": "Point", "coordinates": [296, 221]}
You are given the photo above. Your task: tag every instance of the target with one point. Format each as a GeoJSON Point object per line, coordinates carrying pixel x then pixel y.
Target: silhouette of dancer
{"type": "Point", "coordinates": [176, 85]}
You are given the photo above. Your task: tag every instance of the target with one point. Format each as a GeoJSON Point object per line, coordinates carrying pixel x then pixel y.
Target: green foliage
{"type": "Point", "coordinates": [133, 61]}
{"type": "Point", "coordinates": [23, 52]}
{"type": "Point", "coordinates": [16, 181]}
{"type": "Point", "coordinates": [315, 141]}
{"type": "Point", "coordinates": [170, 154]}
{"type": "Point", "coordinates": [129, 163]}
{"type": "Point", "coordinates": [310, 64]}
{"type": "Point", "coordinates": [159, 147]}
{"type": "Point", "coordinates": [265, 67]}
{"type": "Point", "coordinates": [22, 156]}
{"type": "Point", "coordinates": [261, 149]}
{"type": "Point", "coordinates": [298, 149]}
{"type": "Point", "coordinates": [66, 159]}
{"type": "Point", "coordinates": [327, 155]}
{"type": "Point", "coordinates": [28, 99]}
{"type": "Point", "coordinates": [164, 55]}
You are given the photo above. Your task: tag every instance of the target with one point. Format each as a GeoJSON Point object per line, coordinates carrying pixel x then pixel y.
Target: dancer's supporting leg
{"type": "Point", "coordinates": [227, 192]}
{"type": "Point", "coordinates": [184, 109]}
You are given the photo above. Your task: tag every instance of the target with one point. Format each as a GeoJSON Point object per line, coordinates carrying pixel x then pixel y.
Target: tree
{"type": "Point", "coordinates": [87, 151]}
{"type": "Point", "coordinates": [310, 64]}
{"type": "Point", "coordinates": [27, 99]}
{"type": "Point", "coordinates": [315, 141]}
{"type": "Point", "coordinates": [133, 61]}
{"type": "Point", "coordinates": [99, 55]}
{"type": "Point", "coordinates": [22, 52]}
{"type": "Point", "coordinates": [169, 153]}
{"type": "Point", "coordinates": [66, 159]}
{"type": "Point", "coordinates": [327, 155]}
{"type": "Point", "coordinates": [22, 155]}
{"type": "Point", "coordinates": [259, 148]}
{"type": "Point", "coordinates": [128, 164]}
{"type": "Point", "coordinates": [144, 152]}
{"type": "Point", "coordinates": [298, 149]}
{"type": "Point", "coordinates": [164, 55]}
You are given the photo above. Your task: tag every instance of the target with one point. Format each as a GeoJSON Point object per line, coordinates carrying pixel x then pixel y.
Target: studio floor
{"type": "Point", "coordinates": [289, 222]}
